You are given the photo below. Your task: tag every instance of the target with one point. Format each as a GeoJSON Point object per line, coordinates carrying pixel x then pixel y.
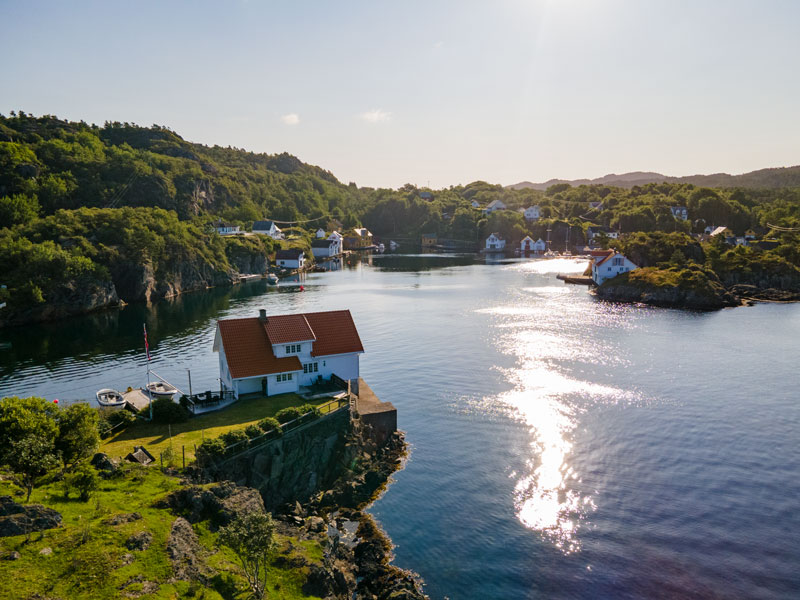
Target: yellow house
{"type": "Point", "coordinates": [429, 240]}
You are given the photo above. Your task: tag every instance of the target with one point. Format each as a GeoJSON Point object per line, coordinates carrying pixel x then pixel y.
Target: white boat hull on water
{"type": "Point", "coordinates": [159, 389]}
{"type": "Point", "coordinates": [109, 397]}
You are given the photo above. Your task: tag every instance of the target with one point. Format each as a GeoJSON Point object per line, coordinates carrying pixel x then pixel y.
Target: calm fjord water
{"type": "Point", "coordinates": [560, 447]}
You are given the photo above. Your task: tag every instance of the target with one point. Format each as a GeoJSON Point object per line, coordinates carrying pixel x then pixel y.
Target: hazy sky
{"type": "Point", "coordinates": [384, 93]}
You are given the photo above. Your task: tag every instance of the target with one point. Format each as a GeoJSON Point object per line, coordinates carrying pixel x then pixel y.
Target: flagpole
{"type": "Point", "coordinates": [147, 354]}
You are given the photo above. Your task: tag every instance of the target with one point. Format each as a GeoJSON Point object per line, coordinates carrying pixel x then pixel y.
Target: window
{"type": "Point", "coordinates": [316, 367]}
{"type": "Point", "coordinates": [609, 269]}
{"type": "Point", "coordinates": [288, 349]}
{"type": "Point", "coordinates": [618, 261]}
{"type": "Point", "coordinates": [305, 368]}
{"type": "Point", "coordinates": [277, 378]}
{"type": "Point", "coordinates": [290, 376]}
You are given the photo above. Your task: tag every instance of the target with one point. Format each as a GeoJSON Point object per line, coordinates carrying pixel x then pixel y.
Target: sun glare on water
{"type": "Point", "coordinates": [547, 497]}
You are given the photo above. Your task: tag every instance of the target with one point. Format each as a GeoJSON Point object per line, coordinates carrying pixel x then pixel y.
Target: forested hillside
{"type": "Point", "coordinates": [92, 215]}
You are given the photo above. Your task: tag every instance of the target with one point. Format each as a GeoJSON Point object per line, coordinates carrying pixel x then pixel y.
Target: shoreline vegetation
{"type": "Point", "coordinates": [679, 272]}
{"type": "Point", "coordinates": [94, 524]}
{"type": "Point", "coordinates": [98, 216]}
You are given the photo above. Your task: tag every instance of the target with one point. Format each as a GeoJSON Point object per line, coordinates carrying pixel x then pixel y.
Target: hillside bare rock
{"type": "Point", "coordinates": [18, 519]}
{"type": "Point", "coordinates": [185, 552]}
{"type": "Point", "coordinates": [220, 503]}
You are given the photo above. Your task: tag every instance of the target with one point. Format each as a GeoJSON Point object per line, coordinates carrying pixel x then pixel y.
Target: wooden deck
{"type": "Point", "coordinates": [137, 399]}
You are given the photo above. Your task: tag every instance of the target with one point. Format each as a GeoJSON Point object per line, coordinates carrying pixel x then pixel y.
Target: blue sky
{"type": "Point", "coordinates": [385, 93]}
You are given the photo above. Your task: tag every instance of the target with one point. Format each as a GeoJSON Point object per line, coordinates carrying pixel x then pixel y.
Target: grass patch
{"type": "Point", "coordinates": [89, 555]}
{"type": "Point", "coordinates": [155, 437]}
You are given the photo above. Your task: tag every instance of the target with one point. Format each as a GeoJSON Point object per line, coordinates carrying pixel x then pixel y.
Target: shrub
{"type": "Point", "coordinates": [311, 408]}
{"type": "Point", "coordinates": [270, 424]}
{"type": "Point", "coordinates": [83, 480]}
{"type": "Point", "coordinates": [252, 431]}
{"type": "Point", "coordinates": [112, 421]}
{"type": "Point", "coordinates": [288, 414]}
{"type": "Point", "coordinates": [233, 437]}
{"type": "Point", "coordinates": [167, 411]}
{"type": "Point", "coordinates": [209, 451]}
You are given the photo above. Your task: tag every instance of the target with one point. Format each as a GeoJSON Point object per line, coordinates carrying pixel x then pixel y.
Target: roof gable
{"type": "Point", "coordinates": [248, 342]}
{"type": "Point", "coordinates": [336, 333]}
{"type": "Point", "coordinates": [290, 254]}
{"type": "Point", "coordinates": [283, 329]}
{"type": "Point", "coordinates": [248, 351]}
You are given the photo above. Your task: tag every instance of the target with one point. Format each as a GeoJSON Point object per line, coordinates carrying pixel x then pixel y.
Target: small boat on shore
{"type": "Point", "coordinates": [272, 279]}
{"type": "Point", "coordinates": [109, 397]}
{"type": "Point", "coordinates": [159, 389]}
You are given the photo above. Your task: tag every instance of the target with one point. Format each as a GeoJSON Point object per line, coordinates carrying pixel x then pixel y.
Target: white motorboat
{"type": "Point", "coordinates": [109, 397]}
{"type": "Point", "coordinates": [159, 389]}
{"type": "Point", "coordinates": [272, 279]}
{"type": "Point", "coordinates": [393, 245]}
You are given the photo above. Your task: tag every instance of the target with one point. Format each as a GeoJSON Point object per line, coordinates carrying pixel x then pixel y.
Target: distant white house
{"type": "Point", "coordinates": [494, 243]}
{"type": "Point", "coordinates": [226, 228]}
{"type": "Point", "coordinates": [278, 354]}
{"type": "Point", "coordinates": [680, 212]}
{"type": "Point", "coordinates": [320, 233]}
{"type": "Point", "coordinates": [614, 263]}
{"type": "Point", "coordinates": [528, 246]}
{"type": "Point", "coordinates": [268, 228]}
{"type": "Point", "coordinates": [532, 213]}
{"type": "Point", "coordinates": [293, 258]}
{"type": "Point", "coordinates": [493, 206]}
{"type": "Point", "coordinates": [595, 231]}
{"type": "Point", "coordinates": [475, 204]}
{"type": "Point", "coordinates": [325, 248]}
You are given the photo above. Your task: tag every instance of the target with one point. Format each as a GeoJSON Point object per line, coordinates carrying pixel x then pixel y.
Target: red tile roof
{"type": "Point", "coordinates": [248, 350]}
{"type": "Point", "coordinates": [282, 329]}
{"type": "Point", "coordinates": [248, 342]}
{"type": "Point", "coordinates": [336, 333]}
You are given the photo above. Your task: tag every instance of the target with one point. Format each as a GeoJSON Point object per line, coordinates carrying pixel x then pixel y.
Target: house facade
{"type": "Point", "coordinates": [610, 265]}
{"type": "Point", "coordinates": [320, 233]}
{"type": "Point", "coordinates": [493, 206]}
{"type": "Point", "coordinates": [531, 213]}
{"type": "Point", "coordinates": [226, 228]}
{"type": "Point", "coordinates": [429, 241]}
{"type": "Point", "coordinates": [293, 258]}
{"type": "Point", "coordinates": [595, 231]}
{"type": "Point", "coordinates": [475, 204]}
{"type": "Point", "coordinates": [494, 243]}
{"type": "Point", "coordinates": [359, 238]}
{"type": "Point", "coordinates": [680, 212]}
{"type": "Point", "coordinates": [325, 248]}
{"type": "Point", "coordinates": [278, 354]}
{"type": "Point", "coordinates": [267, 228]}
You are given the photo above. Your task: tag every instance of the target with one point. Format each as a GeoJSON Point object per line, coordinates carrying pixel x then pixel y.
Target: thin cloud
{"type": "Point", "coordinates": [439, 44]}
{"type": "Point", "coordinates": [291, 119]}
{"type": "Point", "coordinates": [376, 115]}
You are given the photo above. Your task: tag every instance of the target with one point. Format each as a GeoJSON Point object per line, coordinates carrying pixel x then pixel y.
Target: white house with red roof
{"type": "Point", "coordinates": [278, 354]}
{"type": "Point", "coordinates": [609, 265]}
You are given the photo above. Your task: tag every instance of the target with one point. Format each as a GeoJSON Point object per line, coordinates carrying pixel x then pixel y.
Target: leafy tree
{"type": "Point", "coordinates": [78, 433]}
{"type": "Point", "coordinates": [31, 456]}
{"type": "Point", "coordinates": [84, 480]}
{"type": "Point", "coordinates": [252, 538]}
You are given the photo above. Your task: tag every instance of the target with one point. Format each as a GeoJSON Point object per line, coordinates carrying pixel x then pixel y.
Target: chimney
{"type": "Point", "coordinates": [262, 315]}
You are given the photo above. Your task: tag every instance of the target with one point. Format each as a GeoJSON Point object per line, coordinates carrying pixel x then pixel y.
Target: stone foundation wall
{"type": "Point", "coordinates": [301, 463]}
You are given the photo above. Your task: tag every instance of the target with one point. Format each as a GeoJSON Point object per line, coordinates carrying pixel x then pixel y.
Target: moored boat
{"type": "Point", "coordinates": [159, 389]}
{"type": "Point", "coordinates": [109, 397]}
{"type": "Point", "coordinates": [272, 279]}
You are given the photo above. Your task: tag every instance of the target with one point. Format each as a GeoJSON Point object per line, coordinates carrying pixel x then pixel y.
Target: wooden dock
{"type": "Point", "coordinates": [137, 399]}
{"type": "Point", "coordinates": [576, 279]}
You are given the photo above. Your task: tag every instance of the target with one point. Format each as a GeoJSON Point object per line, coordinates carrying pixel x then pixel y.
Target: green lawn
{"type": "Point", "coordinates": [156, 438]}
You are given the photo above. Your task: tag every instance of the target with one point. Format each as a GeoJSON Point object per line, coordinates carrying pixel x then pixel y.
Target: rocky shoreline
{"type": "Point", "coordinates": [357, 553]}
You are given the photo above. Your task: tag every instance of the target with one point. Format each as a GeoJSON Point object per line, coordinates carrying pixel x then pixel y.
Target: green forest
{"type": "Point", "coordinates": [88, 212]}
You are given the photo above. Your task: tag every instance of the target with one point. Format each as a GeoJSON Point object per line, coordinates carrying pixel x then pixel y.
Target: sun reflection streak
{"type": "Point", "coordinates": [547, 496]}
